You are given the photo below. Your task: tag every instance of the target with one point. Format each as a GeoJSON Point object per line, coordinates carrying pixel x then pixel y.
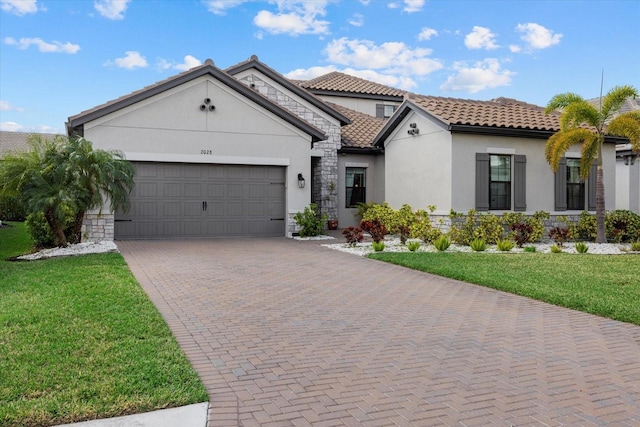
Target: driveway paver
{"type": "Point", "coordinates": [284, 332]}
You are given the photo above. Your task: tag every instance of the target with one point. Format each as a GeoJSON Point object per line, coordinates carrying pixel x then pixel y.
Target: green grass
{"type": "Point", "coordinates": [605, 285]}
{"type": "Point", "coordinates": [79, 339]}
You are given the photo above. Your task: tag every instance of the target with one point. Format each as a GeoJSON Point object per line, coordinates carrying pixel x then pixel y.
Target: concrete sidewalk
{"type": "Point", "coordinates": [184, 416]}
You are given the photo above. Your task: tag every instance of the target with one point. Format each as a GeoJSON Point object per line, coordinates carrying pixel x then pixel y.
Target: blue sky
{"type": "Point", "coordinates": [60, 57]}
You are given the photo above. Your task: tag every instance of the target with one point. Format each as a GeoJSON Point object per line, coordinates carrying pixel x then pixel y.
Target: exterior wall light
{"type": "Point", "coordinates": [300, 181]}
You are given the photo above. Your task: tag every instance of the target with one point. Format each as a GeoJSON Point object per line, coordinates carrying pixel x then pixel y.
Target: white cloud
{"type": "Point", "coordinates": [401, 82]}
{"type": "Point", "coordinates": [480, 38]}
{"type": "Point", "coordinates": [357, 20]}
{"type": "Point", "coordinates": [394, 57]}
{"type": "Point", "coordinates": [45, 47]}
{"type": "Point", "coordinates": [411, 6]}
{"type": "Point", "coordinates": [537, 37]}
{"type": "Point", "coordinates": [393, 5]}
{"type": "Point", "coordinates": [426, 33]}
{"type": "Point", "coordinates": [294, 18]}
{"type": "Point", "coordinates": [19, 7]}
{"type": "Point", "coordinates": [6, 106]}
{"type": "Point", "coordinates": [131, 60]}
{"type": "Point", "coordinates": [188, 63]}
{"type": "Point", "coordinates": [220, 7]}
{"type": "Point", "coordinates": [480, 76]}
{"type": "Point", "coordinates": [514, 48]}
{"type": "Point", "coordinates": [111, 9]}
{"type": "Point", "coordinates": [11, 127]}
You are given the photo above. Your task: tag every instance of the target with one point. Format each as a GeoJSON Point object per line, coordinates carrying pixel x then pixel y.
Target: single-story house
{"type": "Point", "coordinates": [239, 151]}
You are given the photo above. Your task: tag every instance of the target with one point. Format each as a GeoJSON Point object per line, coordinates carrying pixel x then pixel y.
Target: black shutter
{"type": "Point", "coordinates": [561, 186]}
{"type": "Point", "coordinates": [520, 183]}
{"type": "Point", "coordinates": [482, 181]}
{"type": "Point", "coordinates": [591, 187]}
{"type": "Point", "coordinates": [380, 111]}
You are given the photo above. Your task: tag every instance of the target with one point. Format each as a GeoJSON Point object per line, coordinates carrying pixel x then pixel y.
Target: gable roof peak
{"type": "Point", "coordinates": [209, 61]}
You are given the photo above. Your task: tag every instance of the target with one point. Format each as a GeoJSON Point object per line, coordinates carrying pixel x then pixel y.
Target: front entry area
{"type": "Point", "coordinates": [183, 200]}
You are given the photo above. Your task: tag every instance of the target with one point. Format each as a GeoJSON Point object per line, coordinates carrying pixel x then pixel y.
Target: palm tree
{"type": "Point", "coordinates": [95, 174]}
{"type": "Point", "coordinates": [586, 124]}
{"type": "Point", "coordinates": [65, 174]}
{"type": "Point", "coordinates": [39, 181]}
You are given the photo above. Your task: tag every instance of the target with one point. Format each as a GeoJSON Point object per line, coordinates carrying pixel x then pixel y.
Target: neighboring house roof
{"type": "Point", "coordinates": [362, 130]}
{"type": "Point", "coordinates": [75, 123]}
{"type": "Point", "coordinates": [336, 83]}
{"type": "Point", "coordinates": [11, 142]}
{"type": "Point", "coordinates": [255, 63]}
{"type": "Point", "coordinates": [629, 104]}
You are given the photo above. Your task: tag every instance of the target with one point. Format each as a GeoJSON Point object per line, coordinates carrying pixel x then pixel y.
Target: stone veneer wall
{"type": "Point", "coordinates": [328, 165]}
{"type": "Point", "coordinates": [98, 227]}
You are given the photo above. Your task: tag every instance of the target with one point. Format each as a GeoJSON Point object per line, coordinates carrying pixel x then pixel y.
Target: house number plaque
{"type": "Point", "coordinates": [206, 152]}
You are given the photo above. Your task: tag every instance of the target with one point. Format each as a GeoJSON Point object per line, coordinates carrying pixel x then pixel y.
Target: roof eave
{"type": "Point", "coordinates": [303, 93]}
{"type": "Point", "coordinates": [77, 122]}
{"type": "Point", "coordinates": [325, 92]}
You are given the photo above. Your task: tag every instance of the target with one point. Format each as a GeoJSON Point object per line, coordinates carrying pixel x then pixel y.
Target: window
{"type": "Point", "coordinates": [571, 193]}
{"type": "Point", "coordinates": [384, 111]}
{"type": "Point", "coordinates": [500, 182]}
{"type": "Point", "coordinates": [356, 186]}
{"type": "Point", "coordinates": [575, 186]}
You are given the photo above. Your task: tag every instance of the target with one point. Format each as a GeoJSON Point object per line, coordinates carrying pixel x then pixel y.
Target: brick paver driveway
{"type": "Point", "coordinates": [284, 332]}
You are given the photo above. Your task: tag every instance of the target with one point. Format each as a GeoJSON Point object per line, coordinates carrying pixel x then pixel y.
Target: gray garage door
{"type": "Point", "coordinates": [179, 200]}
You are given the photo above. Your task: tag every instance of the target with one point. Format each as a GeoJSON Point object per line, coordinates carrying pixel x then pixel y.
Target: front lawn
{"type": "Point", "coordinates": [606, 285]}
{"type": "Point", "coordinates": [79, 339]}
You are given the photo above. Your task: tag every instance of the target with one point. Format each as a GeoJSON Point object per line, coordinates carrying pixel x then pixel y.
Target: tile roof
{"type": "Point", "coordinates": [341, 82]}
{"type": "Point", "coordinates": [13, 142]}
{"type": "Point", "coordinates": [362, 130]}
{"type": "Point", "coordinates": [497, 113]}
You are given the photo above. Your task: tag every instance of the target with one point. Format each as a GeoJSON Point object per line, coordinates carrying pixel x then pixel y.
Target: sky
{"type": "Point", "coordinates": [61, 57]}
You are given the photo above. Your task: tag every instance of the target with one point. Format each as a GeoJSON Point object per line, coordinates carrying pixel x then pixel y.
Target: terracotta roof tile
{"type": "Point", "coordinates": [500, 112]}
{"type": "Point", "coordinates": [340, 82]}
{"type": "Point", "coordinates": [362, 130]}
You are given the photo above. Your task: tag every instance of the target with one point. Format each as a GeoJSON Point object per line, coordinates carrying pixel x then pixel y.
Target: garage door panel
{"type": "Point", "coordinates": [235, 191]}
{"type": "Point", "coordinates": [172, 189]}
{"type": "Point", "coordinates": [172, 209]}
{"type": "Point", "coordinates": [174, 200]}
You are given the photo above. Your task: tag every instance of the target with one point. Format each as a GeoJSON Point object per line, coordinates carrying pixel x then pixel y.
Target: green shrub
{"type": "Point", "coordinates": [622, 226]}
{"type": "Point", "coordinates": [11, 209]}
{"type": "Point", "coordinates": [422, 228]}
{"type": "Point", "coordinates": [555, 249]}
{"type": "Point", "coordinates": [581, 247]}
{"type": "Point", "coordinates": [311, 221]}
{"type": "Point", "coordinates": [413, 246]}
{"type": "Point", "coordinates": [635, 246]}
{"type": "Point", "coordinates": [530, 249]}
{"type": "Point", "coordinates": [585, 229]}
{"type": "Point", "coordinates": [442, 243]}
{"type": "Point", "coordinates": [505, 245]}
{"type": "Point", "coordinates": [475, 226]}
{"type": "Point", "coordinates": [383, 213]}
{"type": "Point", "coordinates": [478, 245]}
{"type": "Point", "coordinates": [378, 246]}
{"type": "Point", "coordinates": [40, 231]}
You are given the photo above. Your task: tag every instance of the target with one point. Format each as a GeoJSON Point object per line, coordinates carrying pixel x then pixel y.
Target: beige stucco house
{"type": "Point", "coordinates": [239, 151]}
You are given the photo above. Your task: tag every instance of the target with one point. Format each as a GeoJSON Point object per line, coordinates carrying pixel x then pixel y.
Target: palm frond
{"type": "Point", "coordinates": [589, 154]}
{"type": "Point", "coordinates": [561, 141]}
{"type": "Point", "coordinates": [560, 101]}
{"type": "Point", "coordinates": [614, 99]}
{"type": "Point", "coordinates": [628, 126]}
{"type": "Point", "coordinates": [578, 113]}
